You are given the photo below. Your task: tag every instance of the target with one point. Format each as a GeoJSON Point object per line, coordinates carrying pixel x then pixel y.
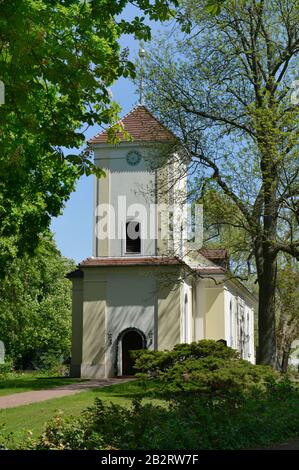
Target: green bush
{"type": "Point", "coordinates": [5, 369]}
{"type": "Point", "coordinates": [35, 307]}
{"type": "Point", "coordinates": [192, 422]}
{"type": "Point", "coordinates": [52, 362]}
{"type": "Point", "coordinates": [154, 362]}
{"type": "Point", "coordinates": [215, 400]}
{"type": "Point", "coordinates": [208, 367]}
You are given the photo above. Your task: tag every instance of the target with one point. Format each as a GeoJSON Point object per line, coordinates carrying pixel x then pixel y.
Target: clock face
{"type": "Point", "coordinates": [133, 157]}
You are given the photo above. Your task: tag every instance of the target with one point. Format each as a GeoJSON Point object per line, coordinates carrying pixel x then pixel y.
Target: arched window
{"type": "Point", "coordinates": [231, 323]}
{"type": "Point", "coordinates": [185, 326]}
{"type": "Point", "coordinates": [133, 241]}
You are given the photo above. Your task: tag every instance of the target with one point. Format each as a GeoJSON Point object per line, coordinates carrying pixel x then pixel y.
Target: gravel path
{"type": "Point", "coordinates": [25, 398]}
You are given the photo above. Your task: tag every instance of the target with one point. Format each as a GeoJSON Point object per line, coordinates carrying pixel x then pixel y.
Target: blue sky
{"type": "Point", "coordinates": [73, 230]}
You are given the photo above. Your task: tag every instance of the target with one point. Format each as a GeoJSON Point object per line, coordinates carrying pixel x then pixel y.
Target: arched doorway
{"type": "Point", "coordinates": [131, 340]}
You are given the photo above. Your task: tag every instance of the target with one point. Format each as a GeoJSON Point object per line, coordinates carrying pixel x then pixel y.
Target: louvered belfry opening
{"type": "Point", "coordinates": [133, 240]}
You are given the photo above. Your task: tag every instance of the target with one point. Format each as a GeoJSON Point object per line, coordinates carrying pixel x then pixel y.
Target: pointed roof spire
{"type": "Point", "coordinates": [141, 54]}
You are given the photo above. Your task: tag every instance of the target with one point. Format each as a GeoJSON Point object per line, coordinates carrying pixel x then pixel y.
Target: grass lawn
{"type": "Point", "coordinates": [33, 417]}
{"type": "Point", "coordinates": [27, 381]}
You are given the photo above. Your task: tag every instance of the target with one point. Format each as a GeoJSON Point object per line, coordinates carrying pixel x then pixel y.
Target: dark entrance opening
{"type": "Point", "coordinates": [131, 340]}
{"type": "Point", "coordinates": [133, 241]}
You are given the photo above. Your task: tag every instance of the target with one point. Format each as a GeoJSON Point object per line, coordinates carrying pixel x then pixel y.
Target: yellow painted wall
{"type": "Point", "coordinates": [214, 316]}
{"type": "Point", "coordinates": [102, 197]}
{"type": "Point", "coordinates": [90, 322]}
{"type": "Point", "coordinates": [169, 309]}
{"type": "Point", "coordinates": [77, 319]}
{"type": "Point", "coordinates": [94, 296]}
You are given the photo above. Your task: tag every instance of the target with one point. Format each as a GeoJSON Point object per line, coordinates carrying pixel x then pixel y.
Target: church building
{"type": "Point", "coordinates": [147, 285]}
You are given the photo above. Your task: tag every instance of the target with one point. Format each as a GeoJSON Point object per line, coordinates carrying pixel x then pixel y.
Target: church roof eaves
{"type": "Point", "coordinates": [76, 274]}
{"type": "Point", "coordinates": [133, 261]}
{"type": "Point", "coordinates": [210, 270]}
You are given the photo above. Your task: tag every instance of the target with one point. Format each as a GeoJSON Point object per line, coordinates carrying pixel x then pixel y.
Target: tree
{"type": "Point", "coordinates": [222, 228]}
{"type": "Point", "coordinates": [35, 307]}
{"type": "Point", "coordinates": [57, 62]}
{"type": "Point", "coordinates": [227, 90]}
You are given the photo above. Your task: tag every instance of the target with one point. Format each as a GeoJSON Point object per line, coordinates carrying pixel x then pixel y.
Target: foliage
{"type": "Point", "coordinates": [5, 369]}
{"type": "Point", "coordinates": [207, 367]}
{"type": "Point", "coordinates": [224, 226]}
{"type": "Point", "coordinates": [288, 310]}
{"type": "Point", "coordinates": [31, 419]}
{"type": "Point", "coordinates": [227, 91]}
{"type": "Point", "coordinates": [214, 6]}
{"type": "Point", "coordinates": [154, 362]}
{"type": "Point", "coordinates": [193, 422]}
{"type": "Point", "coordinates": [35, 308]}
{"type": "Point", "coordinates": [189, 421]}
{"type": "Point", "coordinates": [57, 62]}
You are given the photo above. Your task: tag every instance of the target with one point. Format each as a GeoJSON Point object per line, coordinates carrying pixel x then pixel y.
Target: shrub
{"type": "Point", "coordinates": [5, 369]}
{"type": "Point", "coordinates": [208, 367]}
{"type": "Point", "coordinates": [192, 422]}
{"type": "Point", "coordinates": [154, 362]}
{"type": "Point", "coordinates": [68, 433]}
{"type": "Point", "coordinates": [52, 362]}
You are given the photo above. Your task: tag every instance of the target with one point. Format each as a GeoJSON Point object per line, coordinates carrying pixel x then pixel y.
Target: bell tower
{"type": "Point", "coordinates": [140, 290]}
{"type": "Point", "coordinates": [132, 200]}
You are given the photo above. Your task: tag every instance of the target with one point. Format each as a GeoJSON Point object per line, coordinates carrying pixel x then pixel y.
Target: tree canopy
{"type": "Point", "coordinates": [57, 62]}
{"type": "Point", "coordinates": [35, 307]}
{"type": "Point", "coordinates": [227, 90]}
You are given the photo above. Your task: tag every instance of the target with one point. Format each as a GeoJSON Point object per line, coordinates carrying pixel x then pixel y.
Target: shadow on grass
{"type": "Point", "coordinates": [35, 382]}
{"type": "Point", "coordinates": [130, 390]}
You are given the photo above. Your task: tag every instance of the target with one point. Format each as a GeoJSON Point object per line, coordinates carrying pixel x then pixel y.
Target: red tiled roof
{"type": "Point", "coordinates": [129, 261]}
{"type": "Point", "coordinates": [141, 125]}
{"type": "Point", "coordinates": [143, 261]}
{"type": "Point", "coordinates": [218, 256]}
{"type": "Point", "coordinates": [214, 253]}
{"type": "Point", "coordinates": [147, 261]}
{"type": "Point", "coordinates": [210, 270]}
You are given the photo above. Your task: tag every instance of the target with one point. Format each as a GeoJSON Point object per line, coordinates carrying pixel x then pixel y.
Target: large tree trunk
{"type": "Point", "coordinates": [285, 360]}
{"type": "Point", "coordinates": [265, 255]}
{"type": "Point", "coordinates": [266, 353]}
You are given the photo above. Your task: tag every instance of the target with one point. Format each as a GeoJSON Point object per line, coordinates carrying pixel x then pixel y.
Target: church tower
{"type": "Point", "coordinates": [139, 290]}
{"type": "Point", "coordinates": [133, 202]}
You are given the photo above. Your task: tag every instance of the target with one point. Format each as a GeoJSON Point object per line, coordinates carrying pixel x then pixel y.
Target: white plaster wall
{"type": "Point", "coordinates": [234, 328]}
{"type": "Point", "coordinates": [294, 356]}
{"type": "Point", "coordinates": [178, 185]}
{"type": "Point", "coordinates": [235, 295]}
{"type": "Point", "coordinates": [228, 326]}
{"type": "Point", "coordinates": [251, 350]}
{"type": "Point", "coordinates": [137, 185]}
{"type": "Point", "coordinates": [131, 302]}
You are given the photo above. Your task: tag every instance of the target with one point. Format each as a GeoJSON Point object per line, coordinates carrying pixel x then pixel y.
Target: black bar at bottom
{"type": "Point", "coordinates": [140, 459]}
